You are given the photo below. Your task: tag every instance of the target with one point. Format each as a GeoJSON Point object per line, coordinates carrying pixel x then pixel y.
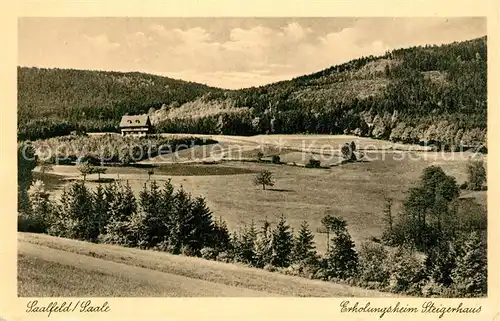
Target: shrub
{"type": "Point", "coordinates": [295, 269]}
{"type": "Point", "coordinates": [372, 257]}
{"type": "Point", "coordinates": [405, 269]}
{"type": "Point", "coordinates": [270, 268]}
{"type": "Point", "coordinates": [313, 163]}
{"type": "Point", "coordinates": [433, 289]}
{"type": "Point", "coordinates": [188, 250]}
{"type": "Point", "coordinates": [476, 173]}
{"type": "Point", "coordinates": [276, 159]}
{"type": "Point", "coordinates": [470, 272]}
{"type": "Point", "coordinates": [26, 222]}
{"type": "Point", "coordinates": [208, 253]}
{"type": "Point", "coordinates": [224, 257]}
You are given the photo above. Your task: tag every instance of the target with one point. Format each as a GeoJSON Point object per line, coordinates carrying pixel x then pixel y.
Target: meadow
{"type": "Point", "coordinates": [85, 269]}
{"type": "Point", "coordinates": [354, 191]}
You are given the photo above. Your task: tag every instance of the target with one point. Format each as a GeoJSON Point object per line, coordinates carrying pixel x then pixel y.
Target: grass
{"type": "Point", "coordinates": [174, 169]}
{"type": "Point", "coordinates": [52, 181]}
{"type": "Point", "coordinates": [354, 191]}
{"type": "Point", "coordinates": [51, 266]}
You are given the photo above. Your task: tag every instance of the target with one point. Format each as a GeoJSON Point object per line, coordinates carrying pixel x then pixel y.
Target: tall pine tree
{"type": "Point", "coordinates": [342, 258]}
{"type": "Point", "coordinates": [263, 246]}
{"type": "Point", "coordinates": [282, 244]}
{"type": "Point", "coordinates": [304, 249]}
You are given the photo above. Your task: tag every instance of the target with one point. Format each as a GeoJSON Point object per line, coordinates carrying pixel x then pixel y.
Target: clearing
{"type": "Point", "coordinates": [354, 191]}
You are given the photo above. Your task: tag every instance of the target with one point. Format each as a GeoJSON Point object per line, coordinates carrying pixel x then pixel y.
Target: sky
{"type": "Point", "coordinates": [226, 52]}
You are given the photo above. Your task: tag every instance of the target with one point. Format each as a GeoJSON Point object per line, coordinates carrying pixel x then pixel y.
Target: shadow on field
{"type": "Point", "coordinates": [280, 190]}
{"type": "Point", "coordinates": [102, 180]}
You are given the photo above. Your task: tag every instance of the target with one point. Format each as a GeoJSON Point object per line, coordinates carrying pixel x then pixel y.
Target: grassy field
{"type": "Point", "coordinates": [51, 266]}
{"type": "Point", "coordinates": [353, 191]}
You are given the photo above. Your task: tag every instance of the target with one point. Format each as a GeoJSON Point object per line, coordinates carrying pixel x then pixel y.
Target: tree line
{"type": "Point", "coordinates": [423, 252]}
{"type": "Point", "coordinates": [431, 94]}
{"type": "Point", "coordinates": [111, 148]}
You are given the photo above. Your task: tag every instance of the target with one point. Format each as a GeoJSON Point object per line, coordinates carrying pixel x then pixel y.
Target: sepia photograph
{"type": "Point", "coordinates": [252, 157]}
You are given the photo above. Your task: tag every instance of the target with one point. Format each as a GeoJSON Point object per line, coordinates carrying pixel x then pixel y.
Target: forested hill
{"type": "Point", "coordinates": [431, 93]}
{"type": "Point", "coordinates": [54, 101]}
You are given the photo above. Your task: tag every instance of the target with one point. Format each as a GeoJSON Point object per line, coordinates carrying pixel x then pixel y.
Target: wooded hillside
{"type": "Point", "coordinates": [431, 93]}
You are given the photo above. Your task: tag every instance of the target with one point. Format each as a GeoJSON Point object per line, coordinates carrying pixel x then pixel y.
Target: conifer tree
{"type": "Point", "coordinates": [202, 225]}
{"type": "Point", "coordinates": [263, 244]}
{"type": "Point", "coordinates": [38, 215]}
{"type": "Point", "coordinates": [470, 272]}
{"type": "Point", "coordinates": [221, 237]}
{"type": "Point", "coordinates": [388, 219]}
{"type": "Point", "coordinates": [151, 226]}
{"type": "Point", "coordinates": [122, 208]}
{"type": "Point", "coordinates": [440, 262]}
{"type": "Point", "coordinates": [26, 162]}
{"type": "Point", "coordinates": [282, 244]}
{"type": "Point", "coordinates": [245, 251]}
{"type": "Point", "coordinates": [304, 249]}
{"type": "Point", "coordinates": [100, 211]}
{"type": "Point", "coordinates": [181, 227]}
{"type": "Point", "coordinates": [72, 217]}
{"type": "Point", "coordinates": [342, 258]}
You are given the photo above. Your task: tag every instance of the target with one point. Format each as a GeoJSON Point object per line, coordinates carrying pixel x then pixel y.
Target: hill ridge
{"type": "Point", "coordinates": [421, 93]}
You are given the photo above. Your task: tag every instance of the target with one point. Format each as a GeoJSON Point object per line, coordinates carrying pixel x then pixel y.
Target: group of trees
{"type": "Point", "coordinates": [161, 217]}
{"type": "Point", "coordinates": [95, 100]}
{"type": "Point", "coordinates": [419, 104]}
{"type": "Point", "coordinates": [111, 148]}
{"type": "Point", "coordinates": [89, 169]}
{"type": "Point", "coordinates": [437, 246]}
{"type": "Point", "coordinates": [451, 231]}
{"type": "Point", "coordinates": [434, 94]}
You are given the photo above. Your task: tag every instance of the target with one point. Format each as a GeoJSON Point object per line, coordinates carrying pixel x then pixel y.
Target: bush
{"type": "Point", "coordinates": [405, 269]}
{"type": "Point", "coordinates": [294, 269]}
{"type": "Point", "coordinates": [166, 246]}
{"type": "Point", "coordinates": [224, 257]}
{"type": "Point", "coordinates": [476, 173]}
{"type": "Point", "coordinates": [433, 290]}
{"type": "Point", "coordinates": [314, 163]}
{"type": "Point", "coordinates": [208, 253]}
{"type": "Point", "coordinates": [188, 250]}
{"type": "Point", "coordinates": [470, 272]}
{"type": "Point", "coordinates": [372, 257]}
{"type": "Point", "coordinates": [31, 223]}
{"type": "Point", "coordinates": [276, 159]}
{"type": "Point", "coordinates": [270, 268]}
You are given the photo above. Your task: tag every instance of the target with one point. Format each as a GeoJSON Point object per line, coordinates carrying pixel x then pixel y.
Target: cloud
{"type": "Point", "coordinates": [192, 35]}
{"type": "Point", "coordinates": [296, 32]}
{"type": "Point", "coordinates": [101, 42]}
{"type": "Point", "coordinates": [229, 55]}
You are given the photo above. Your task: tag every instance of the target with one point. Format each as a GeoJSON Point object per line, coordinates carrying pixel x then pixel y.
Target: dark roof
{"type": "Point", "coordinates": [135, 121]}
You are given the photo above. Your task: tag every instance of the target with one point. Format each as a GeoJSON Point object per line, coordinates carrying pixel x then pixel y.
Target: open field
{"type": "Point", "coordinates": [292, 148]}
{"type": "Point", "coordinates": [353, 191]}
{"type": "Point", "coordinates": [51, 266]}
